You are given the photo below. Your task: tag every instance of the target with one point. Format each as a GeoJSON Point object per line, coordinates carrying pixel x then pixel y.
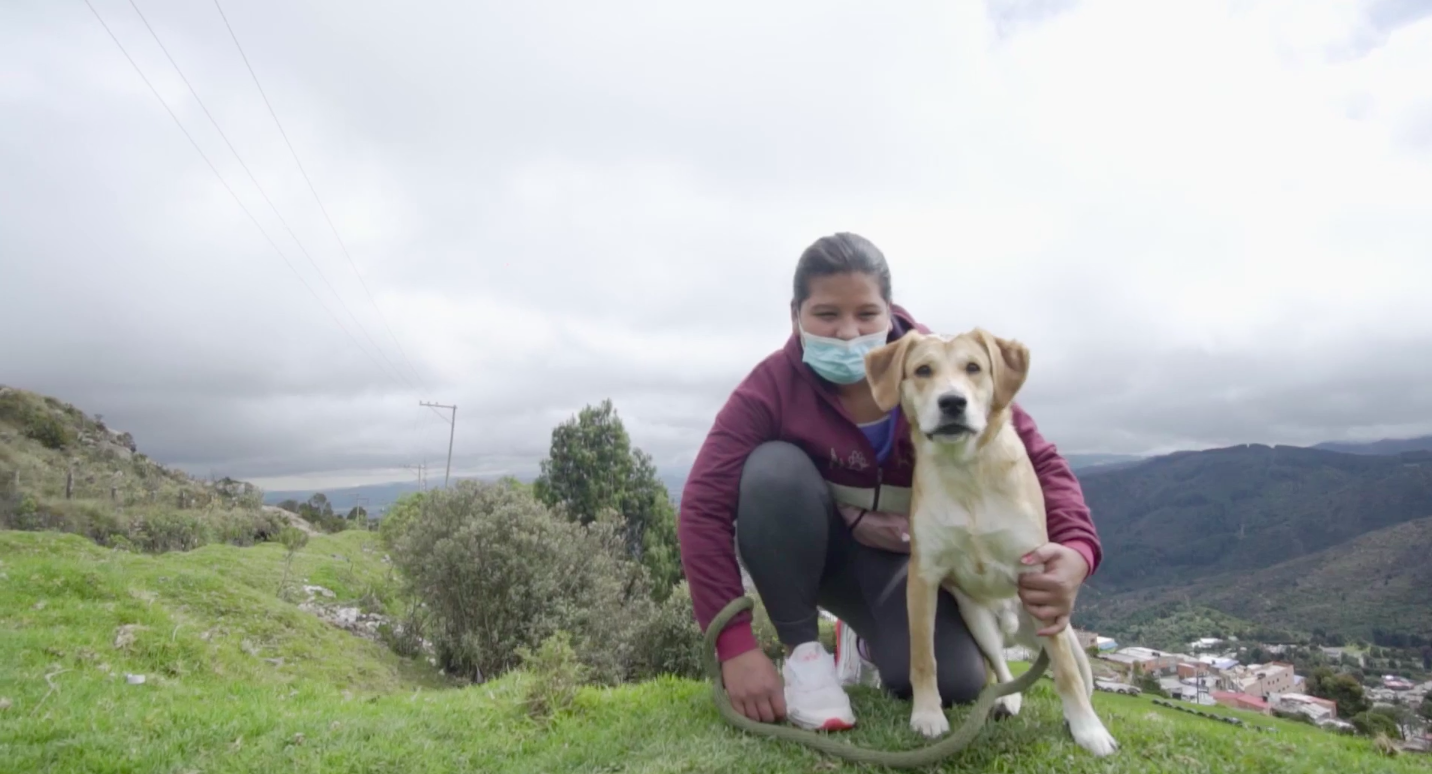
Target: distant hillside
{"type": "Point", "coordinates": [64, 470]}
{"type": "Point", "coordinates": [44, 440]}
{"type": "Point", "coordinates": [380, 496]}
{"type": "Point", "coordinates": [1189, 515]}
{"type": "Point", "coordinates": [1283, 536]}
{"type": "Point", "coordinates": [1085, 462]}
{"type": "Point", "coordinates": [1378, 582]}
{"type": "Point", "coordinates": [675, 479]}
{"type": "Point", "coordinates": [374, 497]}
{"type": "Point", "coordinates": [1385, 446]}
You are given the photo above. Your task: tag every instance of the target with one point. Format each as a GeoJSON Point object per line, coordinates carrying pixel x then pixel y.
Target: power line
{"type": "Point", "coordinates": [314, 190]}
{"type": "Point", "coordinates": [264, 194]}
{"type": "Point", "coordinates": [229, 188]}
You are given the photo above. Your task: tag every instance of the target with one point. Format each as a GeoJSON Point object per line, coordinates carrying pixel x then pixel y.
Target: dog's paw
{"type": "Point", "coordinates": [1092, 736]}
{"type": "Point", "coordinates": [1008, 706]}
{"type": "Point", "coordinates": [931, 723]}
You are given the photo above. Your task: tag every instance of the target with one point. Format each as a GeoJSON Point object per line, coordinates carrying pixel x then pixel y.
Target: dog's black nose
{"type": "Point", "coordinates": [952, 403]}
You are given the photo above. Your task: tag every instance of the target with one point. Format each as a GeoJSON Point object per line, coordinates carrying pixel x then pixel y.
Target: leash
{"type": "Point", "coordinates": [905, 759]}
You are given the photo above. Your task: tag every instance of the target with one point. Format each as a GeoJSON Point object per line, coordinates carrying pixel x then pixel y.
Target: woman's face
{"type": "Point", "coordinates": [844, 306]}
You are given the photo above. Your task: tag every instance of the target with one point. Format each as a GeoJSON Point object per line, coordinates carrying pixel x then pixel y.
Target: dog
{"type": "Point", "coordinates": [976, 509]}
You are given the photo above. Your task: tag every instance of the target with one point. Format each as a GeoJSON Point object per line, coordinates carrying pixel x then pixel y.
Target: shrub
{"type": "Point", "coordinates": [671, 643]}
{"type": "Point", "coordinates": [1374, 723]}
{"type": "Point", "coordinates": [149, 530]}
{"type": "Point", "coordinates": [554, 676]}
{"type": "Point", "coordinates": [498, 572]}
{"type": "Point", "coordinates": [35, 420]}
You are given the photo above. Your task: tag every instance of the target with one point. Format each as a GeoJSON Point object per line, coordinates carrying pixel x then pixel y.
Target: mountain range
{"type": "Point", "coordinates": [377, 497]}
{"type": "Point", "coordinates": [1332, 537]}
{"type": "Point", "coordinates": [1297, 538]}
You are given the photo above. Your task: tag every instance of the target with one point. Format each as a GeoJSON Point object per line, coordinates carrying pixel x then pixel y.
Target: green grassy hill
{"type": "Point", "coordinates": [237, 679]}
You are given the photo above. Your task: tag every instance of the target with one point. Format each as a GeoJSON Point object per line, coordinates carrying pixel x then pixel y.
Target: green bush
{"type": "Point", "coordinates": [554, 676]}
{"type": "Point", "coordinates": [498, 572]}
{"type": "Point", "coordinates": [1373, 723]}
{"type": "Point", "coordinates": [671, 643]}
{"type": "Point", "coordinates": [161, 531]}
{"type": "Point", "coordinates": [35, 421]}
{"type": "Point", "coordinates": [148, 530]}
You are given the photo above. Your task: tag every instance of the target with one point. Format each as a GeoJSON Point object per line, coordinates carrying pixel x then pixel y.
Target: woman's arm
{"type": "Point", "coordinates": [1068, 516]}
{"type": "Point", "coordinates": [706, 526]}
{"type": "Point", "coordinates": [1073, 550]}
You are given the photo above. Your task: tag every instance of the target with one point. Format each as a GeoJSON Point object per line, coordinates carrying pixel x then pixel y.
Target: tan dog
{"type": "Point", "coordinates": [976, 509]}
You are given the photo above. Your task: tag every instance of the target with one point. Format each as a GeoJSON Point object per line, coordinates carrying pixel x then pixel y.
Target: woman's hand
{"type": "Point", "coordinates": [1049, 595]}
{"type": "Point", "coordinates": [754, 686]}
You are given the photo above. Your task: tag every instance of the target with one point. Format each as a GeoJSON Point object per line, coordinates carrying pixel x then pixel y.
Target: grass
{"type": "Point", "coordinates": [212, 702]}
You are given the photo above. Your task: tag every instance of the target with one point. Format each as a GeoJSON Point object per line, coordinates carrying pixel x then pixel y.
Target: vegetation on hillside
{"type": "Point", "coordinates": [238, 680]}
{"type": "Point", "coordinates": [1209, 525]}
{"type": "Point", "coordinates": [1373, 588]}
{"type": "Point", "coordinates": [63, 470]}
{"type": "Point", "coordinates": [591, 468]}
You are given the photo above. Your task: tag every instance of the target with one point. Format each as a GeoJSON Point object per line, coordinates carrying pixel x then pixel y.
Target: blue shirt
{"type": "Point", "coordinates": [881, 433]}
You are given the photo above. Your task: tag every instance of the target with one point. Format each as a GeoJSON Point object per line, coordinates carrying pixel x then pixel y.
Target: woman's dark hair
{"type": "Point", "coordinates": [842, 253]}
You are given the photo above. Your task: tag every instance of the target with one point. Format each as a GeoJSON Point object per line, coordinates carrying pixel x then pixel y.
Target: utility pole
{"type": "Point", "coordinates": [361, 503]}
{"type": "Point", "coordinates": [452, 430]}
{"type": "Point", "coordinates": [422, 474]}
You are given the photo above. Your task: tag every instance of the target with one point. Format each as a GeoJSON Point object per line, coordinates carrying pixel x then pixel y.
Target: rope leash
{"type": "Point", "coordinates": [904, 759]}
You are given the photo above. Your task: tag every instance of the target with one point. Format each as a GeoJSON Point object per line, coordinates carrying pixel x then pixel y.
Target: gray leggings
{"type": "Point", "coordinates": [800, 554]}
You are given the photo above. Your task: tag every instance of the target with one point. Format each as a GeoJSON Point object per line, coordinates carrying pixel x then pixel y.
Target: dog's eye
{"type": "Point", "coordinates": [923, 371]}
{"type": "Point", "coordinates": [972, 367]}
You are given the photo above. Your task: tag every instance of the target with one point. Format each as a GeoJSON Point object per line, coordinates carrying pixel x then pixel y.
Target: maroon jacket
{"type": "Point", "coordinates": [783, 399]}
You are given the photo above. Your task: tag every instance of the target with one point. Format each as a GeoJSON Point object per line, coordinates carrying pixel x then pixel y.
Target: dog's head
{"type": "Point", "coordinates": [950, 387]}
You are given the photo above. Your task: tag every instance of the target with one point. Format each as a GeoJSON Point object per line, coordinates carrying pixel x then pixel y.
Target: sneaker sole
{"type": "Point", "coordinates": [830, 724]}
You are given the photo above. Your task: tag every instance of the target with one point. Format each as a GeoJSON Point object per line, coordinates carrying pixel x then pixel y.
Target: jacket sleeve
{"type": "Point", "coordinates": [706, 528]}
{"type": "Point", "coordinates": [1068, 516]}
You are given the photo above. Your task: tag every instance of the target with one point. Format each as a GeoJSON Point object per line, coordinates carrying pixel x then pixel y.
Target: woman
{"type": "Point", "coordinates": [810, 479]}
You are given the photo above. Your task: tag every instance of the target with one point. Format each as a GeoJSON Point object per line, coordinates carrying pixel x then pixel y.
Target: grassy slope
{"type": "Point", "coordinates": [99, 459]}
{"type": "Point", "coordinates": [339, 703]}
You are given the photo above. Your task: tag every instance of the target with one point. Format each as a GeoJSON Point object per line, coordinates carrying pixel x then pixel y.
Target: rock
{"type": "Point", "coordinates": [134, 679]}
{"type": "Point", "coordinates": [311, 590]}
{"type": "Point", "coordinates": [278, 662]}
{"type": "Point", "coordinates": [124, 636]}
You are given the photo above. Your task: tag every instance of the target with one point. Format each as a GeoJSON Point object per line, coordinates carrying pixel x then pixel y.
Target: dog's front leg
{"type": "Point", "coordinates": [921, 596]}
{"type": "Point", "coordinates": [1084, 724]}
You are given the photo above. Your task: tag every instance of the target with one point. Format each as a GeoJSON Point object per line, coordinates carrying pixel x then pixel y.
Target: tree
{"type": "Point", "coordinates": [1425, 709]}
{"type": "Point", "coordinates": [592, 467]}
{"type": "Point", "coordinates": [358, 514]}
{"type": "Point", "coordinates": [1340, 688]}
{"type": "Point", "coordinates": [588, 465]}
{"type": "Point", "coordinates": [1373, 723]}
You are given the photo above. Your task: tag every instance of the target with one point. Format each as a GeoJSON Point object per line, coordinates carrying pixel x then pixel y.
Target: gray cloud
{"type": "Point", "coordinates": [562, 204]}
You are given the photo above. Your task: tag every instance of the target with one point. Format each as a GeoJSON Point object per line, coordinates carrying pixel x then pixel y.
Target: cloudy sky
{"type": "Point", "coordinates": [1210, 221]}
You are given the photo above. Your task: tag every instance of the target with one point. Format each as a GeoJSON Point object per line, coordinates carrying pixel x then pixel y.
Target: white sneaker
{"type": "Point", "coordinates": [814, 698]}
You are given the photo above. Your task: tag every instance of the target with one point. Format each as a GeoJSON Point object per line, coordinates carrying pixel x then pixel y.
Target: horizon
{"type": "Point", "coordinates": [1202, 220]}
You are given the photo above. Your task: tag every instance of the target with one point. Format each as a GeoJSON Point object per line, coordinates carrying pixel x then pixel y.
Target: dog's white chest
{"type": "Point", "coordinates": [976, 541]}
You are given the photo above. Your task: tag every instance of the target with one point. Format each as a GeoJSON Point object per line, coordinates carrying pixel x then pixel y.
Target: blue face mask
{"type": "Point", "coordinates": [838, 360]}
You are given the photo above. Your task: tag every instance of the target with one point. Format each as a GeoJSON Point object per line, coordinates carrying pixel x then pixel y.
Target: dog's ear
{"type": "Point", "coordinates": [1009, 365]}
{"type": "Point", "coordinates": [885, 369]}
